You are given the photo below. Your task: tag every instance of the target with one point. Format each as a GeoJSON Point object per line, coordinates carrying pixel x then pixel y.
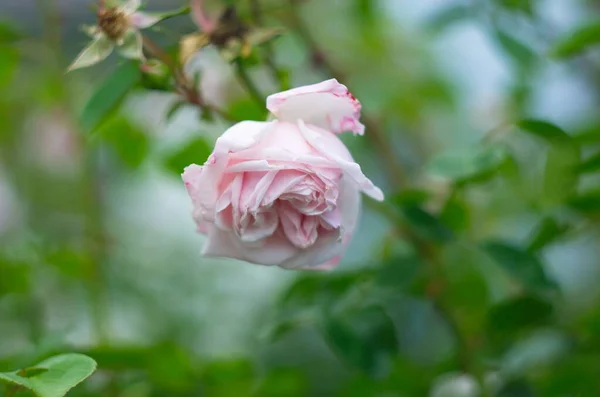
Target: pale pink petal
{"type": "Point", "coordinates": [142, 20]}
{"type": "Point", "coordinates": [204, 181]}
{"type": "Point", "coordinates": [322, 141]}
{"type": "Point", "coordinates": [272, 252]}
{"type": "Point", "coordinates": [328, 105]}
{"type": "Point", "coordinates": [204, 22]}
{"type": "Point", "coordinates": [328, 245]}
{"type": "Point", "coordinates": [300, 229]}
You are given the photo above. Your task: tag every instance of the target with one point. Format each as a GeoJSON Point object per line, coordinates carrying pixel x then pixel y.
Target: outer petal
{"type": "Point", "coordinates": [275, 250]}
{"type": "Point", "coordinates": [328, 105]}
{"type": "Point", "coordinates": [142, 20]}
{"type": "Point", "coordinates": [130, 6]}
{"type": "Point", "coordinates": [132, 46]}
{"type": "Point", "coordinates": [97, 51]}
{"type": "Point", "coordinates": [328, 144]}
{"type": "Point", "coordinates": [203, 182]}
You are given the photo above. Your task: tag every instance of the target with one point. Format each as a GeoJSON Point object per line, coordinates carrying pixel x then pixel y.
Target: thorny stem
{"type": "Point", "coordinates": [374, 133]}
{"type": "Point", "coordinates": [184, 87]}
{"type": "Point", "coordinates": [247, 82]}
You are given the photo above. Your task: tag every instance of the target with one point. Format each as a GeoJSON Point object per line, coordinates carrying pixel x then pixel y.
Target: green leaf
{"type": "Point", "coordinates": [9, 62]}
{"type": "Point", "coordinates": [228, 378]}
{"type": "Point", "coordinates": [456, 213]}
{"type": "Point", "coordinates": [522, 54]}
{"type": "Point", "coordinates": [577, 41]}
{"type": "Point", "coordinates": [53, 377]}
{"type": "Point", "coordinates": [548, 231]}
{"type": "Point", "coordinates": [519, 313]}
{"type": "Point", "coordinates": [448, 17]}
{"type": "Point", "coordinates": [591, 164]}
{"type": "Point", "coordinates": [587, 202]}
{"type": "Point", "coordinates": [468, 165]}
{"type": "Point", "coordinates": [517, 388]}
{"type": "Point", "coordinates": [128, 140]}
{"type": "Point", "coordinates": [194, 152]}
{"type": "Point", "coordinates": [524, 6]}
{"type": "Point", "coordinates": [8, 33]}
{"type": "Point", "coordinates": [109, 95]}
{"type": "Point", "coordinates": [425, 224]}
{"type": "Point", "coordinates": [283, 382]}
{"type": "Point", "coordinates": [364, 339]}
{"type": "Point", "coordinates": [545, 130]}
{"type": "Point", "coordinates": [522, 265]}
{"type": "Point", "coordinates": [560, 176]}
{"type": "Point", "coordinates": [398, 272]}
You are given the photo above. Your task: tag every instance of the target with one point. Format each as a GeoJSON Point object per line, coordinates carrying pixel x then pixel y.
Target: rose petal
{"type": "Point", "coordinates": [204, 181]}
{"type": "Point", "coordinates": [328, 105]}
{"type": "Point", "coordinates": [272, 252]}
{"type": "Point", "coordinates": [142, 20]}
{"type": "Point", "coordinates": [321, 140]}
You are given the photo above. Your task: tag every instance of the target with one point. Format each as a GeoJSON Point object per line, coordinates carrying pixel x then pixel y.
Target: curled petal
{"type": "Point", "coordinates": [132, 46]}
{"type": "Point", "coordinates": [142, 20]}
{"type": "Point", "coordinates": [321, 141]}
{"type": "Point", "coordinates": [328, 105]}
{"type": "Point", "coordinates": [97, 51]}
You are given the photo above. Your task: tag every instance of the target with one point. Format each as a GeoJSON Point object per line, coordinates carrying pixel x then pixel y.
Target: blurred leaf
{"type": "Point", "coordinates": [365, 339]}
{"type": "Point", "coordinates": [548, 231]}
{"type": "Point", "coordinates": [410, 197]}
{"type": "Point", "coordinates": [524, 6]}
{"type": "Point", "coordinates": [246, 110]}
{"type": "Point", "coordinates": [283, 383]}
{"type": "Point", "coordinates": [172, 367]}
{"type": "Point", "coordinates": [232, 378]}
{"type": "Point", "coordinates": [588, 135]}
{"type": "Point", "coordinates": [425, 224]}
{"type": "Point", "coordinates": [560, 176]}
{"type": "Point", "coordinates": [516, 388]}
{"type": "Point", "coordinates": [14, 276]}
{"type": "Point", "coordinates": [129, 141]}
{"type": "Point", "coordinates": [464, 290]}
{"type": "Point", "coordinates": [456, 213]}
{"type": "Point", "coordinates": [519, 313]}
{"type": "Point", "coordinates": [577, 41]}
{"type": "Point", "coordinates": [523, 55]}
{"type": "Point", "coordinates": [194, 152]}
{"type": "Point", "coordinates": [522, 265]}
{"type": "Point", "coordinates": [587, 202]}
{"type": "Point", "coordinates": [398, 272]}
{"type": "Point", "coordinates": [9, 61]}
{"type": "Point", "coordinates": [53, 377]}
{"type": "Point", "coordinates": [8, 33]}
{"type": "Point", "coordinates": [574, 375]}
{"type": "Point", "coordinates": [71, 262]}
{"type": "Point", "coordinates": [545, 130]}
{"type": "Point", "coordinates": [447, 17]}
{"type": "Point", "coordinates": [109, 95]}
{"type": "Point", "coordinates": [470, 165]}
{"type": "Point", "coordinates": [591, 164]}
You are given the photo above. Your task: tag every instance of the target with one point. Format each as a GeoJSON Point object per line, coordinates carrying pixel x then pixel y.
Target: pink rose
{"type": "Point", "coordinates": [284, 192]}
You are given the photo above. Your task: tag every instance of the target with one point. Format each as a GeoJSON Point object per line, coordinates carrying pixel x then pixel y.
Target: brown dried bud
{"type": "Point", "coordinates": [113, 22]}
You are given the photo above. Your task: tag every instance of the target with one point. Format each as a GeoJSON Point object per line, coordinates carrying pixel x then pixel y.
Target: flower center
{"type": "Point", "coordinates": [113, 22]}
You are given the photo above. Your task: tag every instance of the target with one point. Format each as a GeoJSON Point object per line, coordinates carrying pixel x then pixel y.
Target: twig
{"type": "Point", "coordinates": [248, 84]}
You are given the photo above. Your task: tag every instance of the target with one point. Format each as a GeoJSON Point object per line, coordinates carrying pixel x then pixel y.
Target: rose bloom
{"type": "Point", "coordinates": [284, 192]}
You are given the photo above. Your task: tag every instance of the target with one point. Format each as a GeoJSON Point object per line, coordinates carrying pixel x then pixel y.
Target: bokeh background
{"type": "Point", "coordinates": [478, 276]}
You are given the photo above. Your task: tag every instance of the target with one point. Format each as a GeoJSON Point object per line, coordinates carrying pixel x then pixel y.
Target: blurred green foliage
{"type": "Point", "coordinates": [480, 276]}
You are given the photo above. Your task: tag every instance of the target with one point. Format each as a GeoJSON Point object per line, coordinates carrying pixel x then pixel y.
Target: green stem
{"type": "Point", "coordinates": [248, 84]}
{"type": "Point", "coordinates": [171, 14]}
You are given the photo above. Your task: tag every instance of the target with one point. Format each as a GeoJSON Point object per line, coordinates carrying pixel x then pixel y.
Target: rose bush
{"type": "Point", "coordinates": [284, 192]}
